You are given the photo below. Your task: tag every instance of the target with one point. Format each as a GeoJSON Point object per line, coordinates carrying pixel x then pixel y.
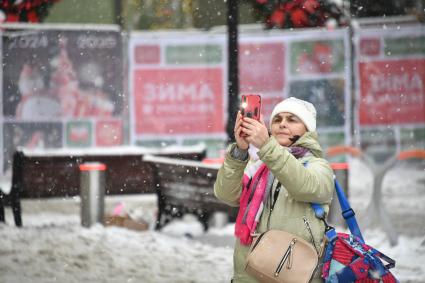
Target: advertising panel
{"type": "Point", "coordinates": [62, 73]}
{"type": "Point", "coordinates": [55, 80]}
{"type": "Point", "coordinates": [178, 101]}
{"type": "Point", "coordinates": [390, 89]}
{"type": "Point", "coordinates": [177, 88]}
{"type": "Point", "coordinates": [392, 92]}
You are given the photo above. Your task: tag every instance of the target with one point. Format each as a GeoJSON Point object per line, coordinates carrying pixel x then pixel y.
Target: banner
{"type": "Point", "coordinates": [61, 74]}
{"type": "Point", "coordinates": [182, 101]}
{"type": "Point", "coordinates": [177, 88]}
{"type": "Point", "coordinates": [69, 78]}
{"type": "Point", "coordinates": [390, 80]}
{"type": "Point", "coordinates": [392, 92]}
{"type": "Point", "coordinates": [391, 76]}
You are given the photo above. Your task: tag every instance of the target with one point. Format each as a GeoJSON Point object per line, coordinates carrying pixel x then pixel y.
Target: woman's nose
{"type": "Point", "coordinates": [282, 123]}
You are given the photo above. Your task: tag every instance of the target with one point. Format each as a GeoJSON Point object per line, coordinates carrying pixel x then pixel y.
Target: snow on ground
{"type": "Point", "coordinates": [53, 247]}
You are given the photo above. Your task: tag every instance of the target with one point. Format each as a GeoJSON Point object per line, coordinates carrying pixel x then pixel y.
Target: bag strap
{"type": "Point", "coordinates": [347, 213]}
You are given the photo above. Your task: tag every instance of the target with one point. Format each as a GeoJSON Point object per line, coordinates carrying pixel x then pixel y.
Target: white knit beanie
{"type": "Point", "coordinates": [302, 109]}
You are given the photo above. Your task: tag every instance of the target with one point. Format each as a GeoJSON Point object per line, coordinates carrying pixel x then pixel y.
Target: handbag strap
{"type": "Point", "coordinates": [347, 213]}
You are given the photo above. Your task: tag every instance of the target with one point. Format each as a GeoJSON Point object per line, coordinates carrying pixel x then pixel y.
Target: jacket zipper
{"type": "Point", "coordinates": [307, 225]}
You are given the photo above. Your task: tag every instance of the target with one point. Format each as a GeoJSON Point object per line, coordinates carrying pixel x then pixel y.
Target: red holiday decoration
{"type": "Point", "coordinates": [299, 13]}
{"type": "Point", "coordinates": [32, 11]}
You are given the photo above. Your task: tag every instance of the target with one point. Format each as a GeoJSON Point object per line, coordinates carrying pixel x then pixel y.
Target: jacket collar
{"type": "Point", "coordinates": [310, 140]}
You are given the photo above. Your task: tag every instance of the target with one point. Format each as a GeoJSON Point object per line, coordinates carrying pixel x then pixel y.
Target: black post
{"type": "Point", "coordinates": [119, 20]}
{"type": "Point", "coordinates": [17, 186]}
{"type": "Point", "coordinates": [2, 196]}
{"type": "Point", "coordinates": [233, 76]}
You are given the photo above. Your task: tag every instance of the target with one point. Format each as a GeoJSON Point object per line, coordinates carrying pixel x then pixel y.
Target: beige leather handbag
{"type": "Point", "coordinates": [278, 256]}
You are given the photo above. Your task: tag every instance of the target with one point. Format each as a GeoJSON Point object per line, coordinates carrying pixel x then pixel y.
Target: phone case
{"type": "Point", "coordinates": [251, 106]}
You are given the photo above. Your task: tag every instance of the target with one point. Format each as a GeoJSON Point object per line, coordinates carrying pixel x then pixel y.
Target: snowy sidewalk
{"type": "Point", "coordinates": [53, 247]}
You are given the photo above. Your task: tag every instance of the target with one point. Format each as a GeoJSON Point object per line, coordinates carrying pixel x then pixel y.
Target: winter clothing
{"type": "Point", "coordinates": [256, 185]}
{"type": "Point", "coordinates": [299, 186]}
{"type": "Point", "coordinates": [301, 108]}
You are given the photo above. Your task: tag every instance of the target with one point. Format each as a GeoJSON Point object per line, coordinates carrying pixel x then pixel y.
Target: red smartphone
{"type": "Point", "coordinates": [251, 106]}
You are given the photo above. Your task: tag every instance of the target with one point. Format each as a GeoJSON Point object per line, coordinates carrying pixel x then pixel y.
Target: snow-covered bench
{"type": "Point", "coordinates": [185, 186]}
{"type": "Point", "coordinates": [55, 173]}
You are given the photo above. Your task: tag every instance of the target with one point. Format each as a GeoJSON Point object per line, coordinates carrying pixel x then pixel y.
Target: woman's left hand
{"type": "Point", "coordinates": [256, 131]}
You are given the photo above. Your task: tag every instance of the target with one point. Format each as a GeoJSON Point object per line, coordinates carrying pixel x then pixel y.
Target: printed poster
{"type": "Point", "coordinates": [53, 76]}
{"type": "Point", "coordinates": [62, 73]}
{"type": "Point", "coordinates": [392, 92]}
{"type": "Point", "coordinates": [390, 82]}
{"type": "Point", "coordinates": [181, 101]}
{"type": "Point", "coordinates": [177, 88]}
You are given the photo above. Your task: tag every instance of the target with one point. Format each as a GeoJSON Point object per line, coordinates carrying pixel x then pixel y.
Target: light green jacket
{"type": "Point", "coordinates": [300, 186]}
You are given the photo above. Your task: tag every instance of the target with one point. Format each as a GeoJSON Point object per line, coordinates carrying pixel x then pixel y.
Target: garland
{"type": "Point", "coordinates": [299, 13]}
{"type": "Point", "coordinates": [32, 11]}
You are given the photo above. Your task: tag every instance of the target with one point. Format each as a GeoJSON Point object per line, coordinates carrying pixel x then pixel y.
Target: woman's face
{"type": "Point", "coordinates": [286, 126]}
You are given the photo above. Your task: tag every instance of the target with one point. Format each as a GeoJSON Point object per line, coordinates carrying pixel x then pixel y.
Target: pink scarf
{"type": "Point", "coordinates": [254, 196]}
{"type": "Point", "coordinates": [250, 203]}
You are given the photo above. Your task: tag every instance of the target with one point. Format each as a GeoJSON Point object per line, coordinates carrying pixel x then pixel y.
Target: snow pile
{"type": "Point", "coordinates": [53, 247]}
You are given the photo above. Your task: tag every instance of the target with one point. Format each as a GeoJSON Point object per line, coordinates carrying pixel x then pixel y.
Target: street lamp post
{"type": "Point", "coordinates": [233, 76]}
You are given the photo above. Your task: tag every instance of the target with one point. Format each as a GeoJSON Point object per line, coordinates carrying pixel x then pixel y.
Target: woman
{"type": "Point", "coordinates": [293, 175]}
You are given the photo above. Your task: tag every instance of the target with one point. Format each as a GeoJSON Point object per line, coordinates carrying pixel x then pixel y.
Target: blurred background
{"type": "Point", "coordinates": [91, 74]}
{"type": "Point", "coordinates": [150, 89]}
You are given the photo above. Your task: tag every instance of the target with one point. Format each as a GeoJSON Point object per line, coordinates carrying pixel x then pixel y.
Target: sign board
{"type": "Point", "coordinates": [61, 76]}
{"type": "Point", "coordinates": [177, 87]}
{"type": "Point", "coordinates": [390, 88]}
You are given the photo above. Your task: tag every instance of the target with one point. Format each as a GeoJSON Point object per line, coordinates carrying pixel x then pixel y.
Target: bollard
{"type": "Point", "coordinates": [92, 192]}
{"type": "Point", "coordinates": [341, 173]}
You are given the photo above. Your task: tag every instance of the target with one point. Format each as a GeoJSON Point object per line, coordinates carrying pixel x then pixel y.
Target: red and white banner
{"type": "Point", "coordinates": [178, 101]}
{"type": "Point", "coordinates": [392, 92]}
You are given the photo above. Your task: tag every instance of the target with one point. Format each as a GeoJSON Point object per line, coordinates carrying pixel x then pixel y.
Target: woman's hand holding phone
{"type": "Point", "coordinates": [250, 131]}
{"type": "Point", "coordinates": [240, 137]}
{"type": "Point", "coordinates": [255, 132]}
